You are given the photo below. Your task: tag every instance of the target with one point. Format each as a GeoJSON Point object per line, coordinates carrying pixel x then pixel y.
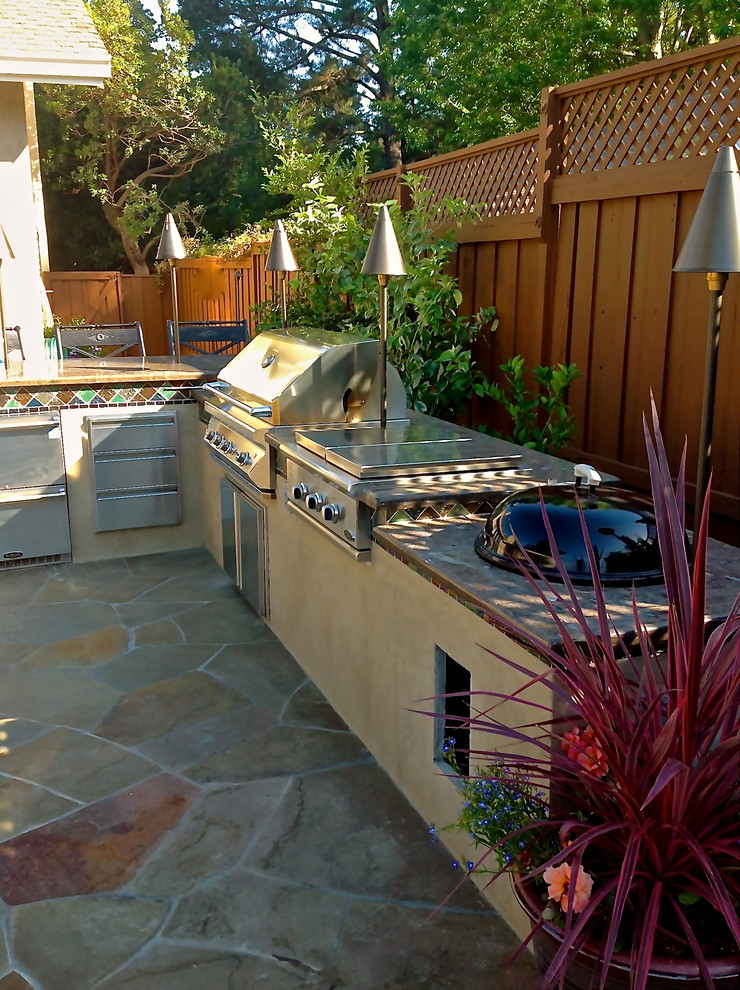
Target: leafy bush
{"type": "Point", "coordinates": [541, 419]}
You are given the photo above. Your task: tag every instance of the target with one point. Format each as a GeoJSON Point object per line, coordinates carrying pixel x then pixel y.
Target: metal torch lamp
{"type": "Point", "coordinates": [712, 245]}
{"type": "Point", "coordinates": [280, 259]}
{"type": "Point", "coordinates": [172, 249]}
{"type": "Point", "coordinates": [383, 259]}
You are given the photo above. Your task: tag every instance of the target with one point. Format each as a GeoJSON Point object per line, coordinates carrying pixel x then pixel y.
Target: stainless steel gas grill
{"type": "Point", "coordinates": [289, 378]}
{"type": "Point", "coordinates": [299, 411]}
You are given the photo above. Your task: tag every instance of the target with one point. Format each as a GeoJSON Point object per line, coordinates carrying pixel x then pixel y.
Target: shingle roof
{"type": "Point", "coordinates": [50, 40]}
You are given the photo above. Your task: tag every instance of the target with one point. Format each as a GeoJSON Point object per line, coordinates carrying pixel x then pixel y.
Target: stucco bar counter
{"type": "Point", "coordinates": [129, 433]}
{"type": "Point", "coordinates": [383, 638]}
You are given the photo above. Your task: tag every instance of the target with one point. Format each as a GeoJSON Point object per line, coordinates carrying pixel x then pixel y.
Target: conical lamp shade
{"type": "Point", "coordinates": [280, 258]}
{"type": "Point", "coordinates": [170, 243]}
{"type": "Point", "coordinates": [713, 241]}
{"type": "Point", "coordinates": [383, 254]}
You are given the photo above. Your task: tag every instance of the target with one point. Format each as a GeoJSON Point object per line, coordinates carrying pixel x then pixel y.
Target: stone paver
{"type": "Point", "coordinates": [92, 937]}
{"type": "Point", "coordinates": [78, 765]}
{"type": "Point", "coordinates": [24, 805]}
{"type": "Point", "coordinates": [181, 809]}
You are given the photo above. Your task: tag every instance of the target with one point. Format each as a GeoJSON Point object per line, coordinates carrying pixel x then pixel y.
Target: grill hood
{"type": "Point", "coordinates": [314, 376]}
{"type": "Point", "coordinates": [621, 530]}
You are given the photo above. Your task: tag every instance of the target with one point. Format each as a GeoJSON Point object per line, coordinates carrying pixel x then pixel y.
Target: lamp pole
{"type": "Point", "coordinates": [171, 249]}
{"type": "Point", "coordinates": [383, 259]}
{"type": "Point", "coordinates": [712, 246]}
{"type": "Point", "coordinates": [281, 260]}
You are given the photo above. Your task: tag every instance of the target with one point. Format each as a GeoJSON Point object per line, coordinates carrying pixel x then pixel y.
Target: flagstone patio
{"type": "Point", "coordinates": [180, 808]}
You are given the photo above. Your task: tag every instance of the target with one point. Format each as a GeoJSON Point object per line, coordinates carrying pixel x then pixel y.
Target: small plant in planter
{"type": "Point", "coordinates": [633, 867]}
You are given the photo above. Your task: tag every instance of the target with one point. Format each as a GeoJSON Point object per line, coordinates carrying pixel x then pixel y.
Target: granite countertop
{"type": "Point", "coordinates": [442, 550]}
{"type": "Point", "coordinates": [116, 369]}
{"type": "Point", "coordinates": [520, 468]}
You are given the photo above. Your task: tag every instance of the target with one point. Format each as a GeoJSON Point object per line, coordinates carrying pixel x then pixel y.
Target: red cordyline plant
{"type": "Point", "coordinates": [644, 769]}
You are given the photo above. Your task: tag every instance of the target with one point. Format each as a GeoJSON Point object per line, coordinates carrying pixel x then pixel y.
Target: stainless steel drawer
{"type": "Point", "coordinates": [137, 433]}
{"type": "Point", "coordinates": [135, 510]}
{"type": "Point", "coordinates": [33, 523]}
{"type": "Point", "coordinates": [30, 452]}
{"type": "Point", "coordinates": [119, 473]}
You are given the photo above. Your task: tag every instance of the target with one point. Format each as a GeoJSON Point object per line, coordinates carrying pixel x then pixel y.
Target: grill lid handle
{"type": "Point", "coordinates": [261, 412]}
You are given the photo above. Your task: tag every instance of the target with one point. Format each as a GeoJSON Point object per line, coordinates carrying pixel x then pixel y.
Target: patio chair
{"type": "Point", "coordinates": [226, 333]}
{"type": "Point", "coordinates": [14, 344]}
{"type": "Point", "coordinates": [87, 340]}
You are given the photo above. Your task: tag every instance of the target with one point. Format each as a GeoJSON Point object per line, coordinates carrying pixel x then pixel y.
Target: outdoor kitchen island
{"type": "Point", "coordinates": [380, 632]}
{"type": "Point", "coordinates": [99, 457]}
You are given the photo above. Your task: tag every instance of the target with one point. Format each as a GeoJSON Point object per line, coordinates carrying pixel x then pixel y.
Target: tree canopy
{"type": "Point", "coordinates": [152, 122]}
{"type": "Point", "coordinates": [197, 98]}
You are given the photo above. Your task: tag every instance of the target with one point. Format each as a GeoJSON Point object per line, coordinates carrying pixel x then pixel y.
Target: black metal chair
{"type": "Point", "coordinates": [226, 333]}
{"type": "Point", "coordinates": [87, 341]}
{"type": "Point", "coordinates": [14, 344]}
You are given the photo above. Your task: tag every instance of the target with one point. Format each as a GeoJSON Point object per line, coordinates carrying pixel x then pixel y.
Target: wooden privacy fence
{"type": "Point", "coordinates": [581, 222]}
{"type": "Point", "coordinates": [207, 289]}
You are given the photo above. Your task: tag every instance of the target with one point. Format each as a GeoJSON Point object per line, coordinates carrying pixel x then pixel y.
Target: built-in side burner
{"type": "Point", "coordinates": [402, 449]}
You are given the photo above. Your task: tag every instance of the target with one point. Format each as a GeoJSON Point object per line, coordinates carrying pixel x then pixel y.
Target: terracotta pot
{"type": "Point", "coordinates": [584, 970]}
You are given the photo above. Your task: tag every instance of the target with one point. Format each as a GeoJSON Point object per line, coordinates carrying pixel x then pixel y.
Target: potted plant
{"type": "Point", "coordinates": [622, 831]}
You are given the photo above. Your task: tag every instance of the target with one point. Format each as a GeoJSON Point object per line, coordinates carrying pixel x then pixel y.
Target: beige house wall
{"type": "Point", "coordinates": [23, 244]}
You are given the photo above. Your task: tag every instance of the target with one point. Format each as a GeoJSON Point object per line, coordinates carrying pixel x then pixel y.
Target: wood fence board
{"type": "Point", "coordinates": [726, 442]}
{"type": "Point", "coordinates": [466, 278]}
{"type": "Point", "coordinates": [505, 300]}
{"type": "Point", "coordinates": [649, 318]}
{"type": "Point", "coordinates": [609, 325]}
{"type": "Point", "coordinates": [529, 327]}
{"type": "Point", "coordinates": [638, 180]}
{"type": "Point", "coordinates": [684, 367]}
{"type": "Point", "coordinates": [582, 313]}
{"type": "Point", "coordinates": [147, 300]}
{"type": "Point", "coordinates": [561, 293]}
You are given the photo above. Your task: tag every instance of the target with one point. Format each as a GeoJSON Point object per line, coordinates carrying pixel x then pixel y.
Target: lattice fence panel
{"type": "Point", "coordinates": [677, 112]}
{"type": "Point", "coordinates": [501, 180]}
{"type": "Point", "coordinates": [382, 188]}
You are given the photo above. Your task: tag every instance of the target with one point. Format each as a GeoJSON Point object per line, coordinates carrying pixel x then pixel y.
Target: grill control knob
{"type": "Point", "coordinates": [299, 492]}
{"type": "Point", "coordinates": [210, 434]}
{"type": "Point", "coordinates": [314, 501]}
{"type": "Point", "coordinates": [331, 513]}
{"type": "Point", "coordinates": [225, 443]}
{"type": "Point", "coordinates": [216, 439]}
{"type": "Point", "coordinates": [243, 458]}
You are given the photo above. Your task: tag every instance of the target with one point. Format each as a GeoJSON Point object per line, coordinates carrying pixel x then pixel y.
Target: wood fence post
{"type": "Point", "coordinates": [548, 163]}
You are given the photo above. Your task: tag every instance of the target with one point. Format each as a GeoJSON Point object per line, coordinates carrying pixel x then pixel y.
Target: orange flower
{"type": "Point", "coordinates": [584, 749]}
{"type": "Point", "coordinates": [558, 880]}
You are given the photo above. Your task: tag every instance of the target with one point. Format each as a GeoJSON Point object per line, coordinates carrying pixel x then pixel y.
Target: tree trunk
{"type": "Point", "coordinates": [134, 255]}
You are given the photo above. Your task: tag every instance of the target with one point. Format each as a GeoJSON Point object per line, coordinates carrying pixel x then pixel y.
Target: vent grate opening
{"type": "Point", "coordinates": [23, 562]}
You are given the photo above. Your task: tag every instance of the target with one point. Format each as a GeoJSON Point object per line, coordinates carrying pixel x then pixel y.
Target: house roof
{"type": "Point", "coordinates": [50, 41]}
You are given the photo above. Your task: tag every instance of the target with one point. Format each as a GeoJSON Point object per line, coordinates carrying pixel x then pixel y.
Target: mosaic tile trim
{"type": "Point", "coordinates": [439, 510]}
{"type": "Point", "coordinates": [131, 394]}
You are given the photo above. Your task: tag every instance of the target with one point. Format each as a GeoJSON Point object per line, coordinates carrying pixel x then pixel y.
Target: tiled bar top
{"type": "Point", "coordinates": [442, 551]}
{"type": "Point", "coordinates": [34, 386]}
{"type": "Point", "coordinates": [89, 371]}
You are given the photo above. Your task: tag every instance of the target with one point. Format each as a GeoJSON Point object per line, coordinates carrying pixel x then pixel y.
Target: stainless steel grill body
{"type": "Point", "coordinates": [288, 378]}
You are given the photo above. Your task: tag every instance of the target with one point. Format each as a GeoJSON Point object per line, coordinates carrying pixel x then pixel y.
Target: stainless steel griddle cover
{"type": "Point", "coordinates": [402, 449]}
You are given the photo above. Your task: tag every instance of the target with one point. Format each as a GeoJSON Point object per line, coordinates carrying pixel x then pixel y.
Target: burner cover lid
{"type": "Point", "coordinates": [620, 524]}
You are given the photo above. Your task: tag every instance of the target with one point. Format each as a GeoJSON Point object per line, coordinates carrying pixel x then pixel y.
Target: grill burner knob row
{"type": "Point", "coordinates": [314, 501]}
